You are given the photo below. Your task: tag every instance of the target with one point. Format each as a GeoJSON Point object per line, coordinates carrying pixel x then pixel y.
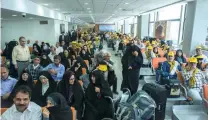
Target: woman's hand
{"type": "Point", "coordinates": [46, 113]}
{"type": "Point", "coordinates": [97, 89]}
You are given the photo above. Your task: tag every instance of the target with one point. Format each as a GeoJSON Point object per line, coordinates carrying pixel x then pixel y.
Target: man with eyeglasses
{"type": "Point", "coordinates": [21, 55]}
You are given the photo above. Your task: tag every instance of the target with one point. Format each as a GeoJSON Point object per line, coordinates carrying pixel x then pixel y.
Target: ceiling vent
{"type": "Point", "coordinates": [126, 10]}
{"type": "Point", "coordinates": [43, 22]}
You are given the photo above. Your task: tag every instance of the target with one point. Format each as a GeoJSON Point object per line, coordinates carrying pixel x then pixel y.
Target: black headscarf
{"type": "Point", "coordinates": [60, 111]}
{"type": "Point", "coordinates": [37, 96]}
{"type": "Point", "coordinates": [38, 48]}
{"type": "Point", "coordinates": [45, 62]}
{"type": "Point", "coordinates": [65, 60]}
{"type": "Point", "coordinates": [73, 93]}
{"type": "Point", "coordinates": [20, 82]}
{"type": "Point", "coordinates": [80, 61]}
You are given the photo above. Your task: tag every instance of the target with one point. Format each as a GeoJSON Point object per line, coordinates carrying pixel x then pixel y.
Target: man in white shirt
{"type": "Point", "coordinates": [23, 109]}
{"type": "Point", "coordinates": [59, 49]}
{"type": "Point", "coordinates": [52, 53]}
{"type": "Point", "coordinates": [21, 56]}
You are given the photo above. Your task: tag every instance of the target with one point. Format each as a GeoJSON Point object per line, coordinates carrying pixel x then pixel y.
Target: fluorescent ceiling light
{"type": "Point", "coordinates": [14, 15]}
{"type": "Point", "coordinates": [120, 8]}
{"type": "Point", "coordinates": [88, 8]}
{"type": "Point", "coordinates": [90, 11]}
{"type": "Point", "coordinates": [113, 14]}
{"type": "Point", "coordinates": [45, 4]}
{"type": "Point", "coordinates": [56, 9]}
{"type": "Point", "coordinates": [31, 18]}
{"type": "Point", "coordinates": [86, 3]}
{"type": "Point", "coordinates": [126, 3]}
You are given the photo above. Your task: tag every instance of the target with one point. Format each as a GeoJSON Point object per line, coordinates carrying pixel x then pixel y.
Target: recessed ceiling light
{"type": "Point", "coordinates": [88, 8]}
{"type": "Point", "coordinates": [45, 4]}
{"type": "Point", "coordinates": [90, 11]}
{"type": "Point", "coordinates": [120, 8]}
{"type": "Point", "coordinates": [14, 15]}
{"type": "Point", "coordinates": [86, 3]}
{"type": "Point", "coordinates": [56, 9]}
{"type": "Point", "coordinates": [126, 3]}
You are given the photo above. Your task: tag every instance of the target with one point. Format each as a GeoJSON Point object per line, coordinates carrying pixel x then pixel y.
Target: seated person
{"type": "Point", "coordinates": [112, 79]}
{"type": "Point", "coordinates": [70, 88]}
{"type": "Point", "coordinates": [7, 85]}
{"type": "Point", "coordinates": [35, 68]}
{"type": "Point", "coordinates": [97, 106]}
{"type": "Point", "coordinates": [57, 108]}
{"type": "Point", "coordinates": [25, 79]}
{"type": "Point", "coordinates": [23, 108]}
{"type": "Point", "coordinates": [56, 69]}
{"type": "Point", "coordinates": [156, 52]}
{"type": "Point", "coordinates": [179, 57]}
{"type": "Point", "coordinates": [154, 44]}
{"type": "Point", "coordinates": [45, 60]}
{"type": "Point", "coordinates": [85, 56]}
{"type": "Point", "coordinates": [66, 59]}
{"type": "Point", "coordinates": [194, 80]}
{"type": "Point", "coordinates": [167, 50]}
{"type": "Point", "coordinates": [199, 53]}
{"type": "Point", "coordinates": [149, 54]}
{"type": "Point", "coordinates": [169, 68]}
{"type": "Point", "coordinates": [45, 86]}
{"type": "Point", "coordinates": [140, 44]}
{"type": "Point", "coordinates": [200, 63]}
{"type": "Point", "coordinates": [78, 66]}
{"type": "Point", "coordinates": [52, 53]}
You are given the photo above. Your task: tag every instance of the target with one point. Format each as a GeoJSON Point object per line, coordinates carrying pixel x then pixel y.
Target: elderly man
{"type": "Point", "coordinates": [23, 108]}
{"type": "Point", "coordinates": [7, 85]}
{"type": "Point", "coordinates": [21, 56]}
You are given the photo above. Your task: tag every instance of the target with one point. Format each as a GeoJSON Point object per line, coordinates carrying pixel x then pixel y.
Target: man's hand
{"type": "Point", "coordinates": [136, 53]}
{"type": "Point", "coordinates": [52, 71]}
{"type": "Point", "coordinates": [6, 96]}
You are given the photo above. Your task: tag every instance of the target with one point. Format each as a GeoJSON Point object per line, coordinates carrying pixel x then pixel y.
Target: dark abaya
{"type": "Point", "coordinates": [97, 106]}
{"type": "Point", "coordinates": [45, 62]}
{"type": "Point", "coordinates": [60, 111]}
{"type": "Point", "coordinates": [73, 94]}
{"type": "Point", "coordinates": [37, 96]}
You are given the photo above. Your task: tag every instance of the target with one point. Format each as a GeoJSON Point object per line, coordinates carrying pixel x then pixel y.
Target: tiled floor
{"type": "Point", "coordinates": [118, 70]}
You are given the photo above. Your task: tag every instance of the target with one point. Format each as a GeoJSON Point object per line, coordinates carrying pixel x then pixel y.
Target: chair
{"type": "Point", "coordinates": [84, 71]}
{"type": "Point", "coordinates": [205, 96]}
{"type": "Point", "coordinates": [156, 61]}
{"type": "Point", "coordinates": [74, 113]}
{"type": "Point", "coordinates": [3, 110]}
{"type": "Point", "coordinates": [35, 81]}
{"type": "Point", "coordinates": [3, 59]}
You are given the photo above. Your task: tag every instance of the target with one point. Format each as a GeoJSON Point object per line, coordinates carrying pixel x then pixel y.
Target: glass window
{"type": "Point", "coordinates": [135, 30]}
{"type": "Point", "coordinates": [173, 31]}
{"type": "Point", "coordinates": [151, 29]}
{"type": "Point", "coordinates": [171, 12]}
{"type": "Point", "coordinates": [152, 17]}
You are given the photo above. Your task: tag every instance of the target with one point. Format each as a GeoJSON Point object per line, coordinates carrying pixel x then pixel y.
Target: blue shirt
{"type": "Point", "coordinates": [60, 71]}
{"type": "Point", "coordinates": [7, 85]}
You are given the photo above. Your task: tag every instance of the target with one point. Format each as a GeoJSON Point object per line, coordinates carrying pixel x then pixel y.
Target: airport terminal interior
{"type": "Point", "coordinates": [104, 59]}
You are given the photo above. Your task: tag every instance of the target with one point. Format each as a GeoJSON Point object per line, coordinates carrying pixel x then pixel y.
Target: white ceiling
{"type": "Point", "coordinates": [102, 10]}
{"type": "Point", "coordinates": [8, 15]}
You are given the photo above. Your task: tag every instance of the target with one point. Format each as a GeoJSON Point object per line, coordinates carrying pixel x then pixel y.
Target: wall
{"type": "Point", "coordinates": [196, 25]}
{"type": "Point", "coordinates": [30, 29]}
{"type": "Point", "coordinates": [57, 28]}
{"type": "Point", "coordinates": [144, 25]}
{"type": "Point", "coordinates": [33, 8]}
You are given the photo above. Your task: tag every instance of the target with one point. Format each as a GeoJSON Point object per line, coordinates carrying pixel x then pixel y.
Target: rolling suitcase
{"type": "Point", "coordinates": [159, 94]}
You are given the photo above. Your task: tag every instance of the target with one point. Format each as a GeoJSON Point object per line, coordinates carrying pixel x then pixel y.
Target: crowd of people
{"type": "Point", "coordinates": [79, 74]}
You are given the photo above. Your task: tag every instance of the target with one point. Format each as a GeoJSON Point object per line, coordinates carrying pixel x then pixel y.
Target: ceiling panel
{"type": "Point", "coordinates": [105, 8]}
